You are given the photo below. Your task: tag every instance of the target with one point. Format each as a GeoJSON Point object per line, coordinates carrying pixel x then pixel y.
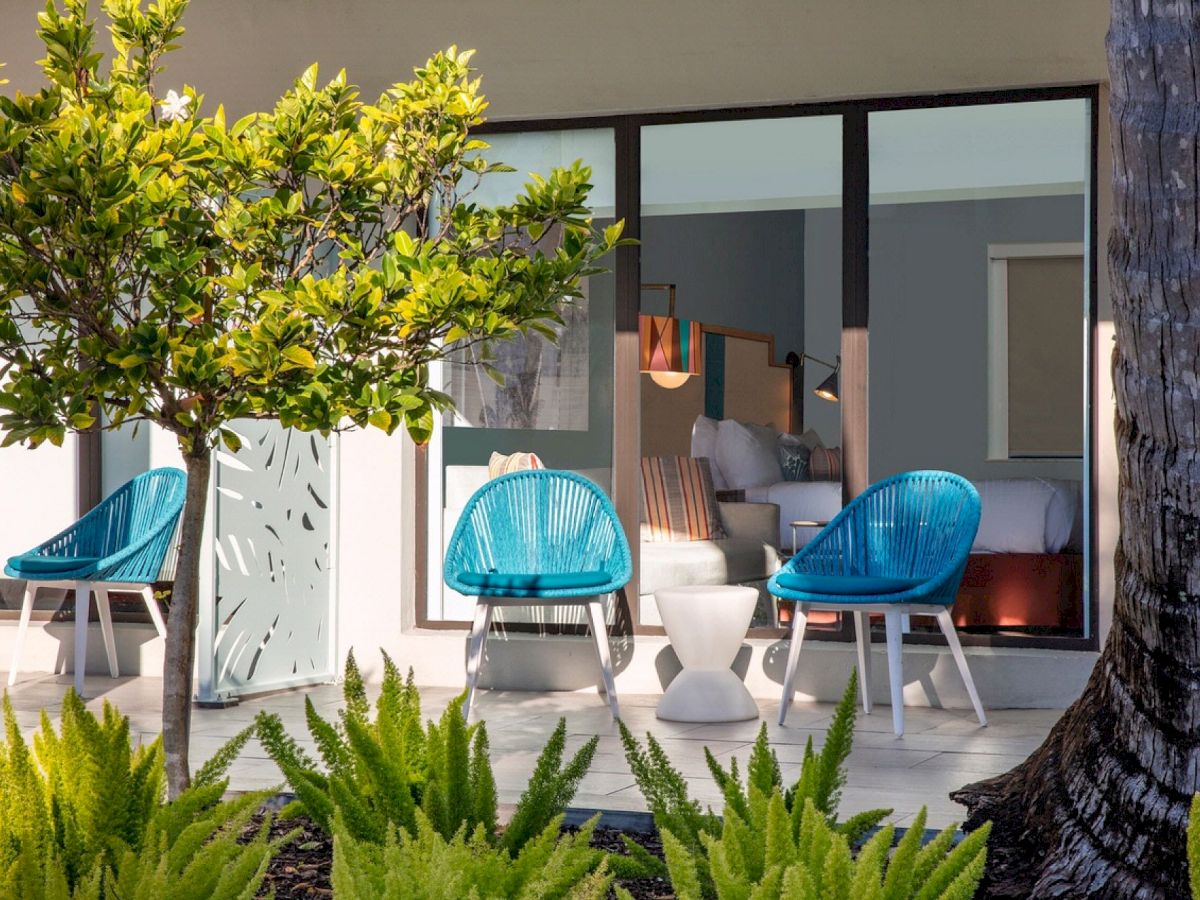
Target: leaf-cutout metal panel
{"type": "Point", "coordinates": [272, 557]}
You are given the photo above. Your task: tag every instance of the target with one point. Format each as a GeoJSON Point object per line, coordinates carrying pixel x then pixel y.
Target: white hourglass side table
{"type": "Point", "coordinates": [706, 625]}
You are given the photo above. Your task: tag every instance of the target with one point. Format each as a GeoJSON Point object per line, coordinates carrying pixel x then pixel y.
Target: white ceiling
{"type": "Point", "coordinates": [921, 155]}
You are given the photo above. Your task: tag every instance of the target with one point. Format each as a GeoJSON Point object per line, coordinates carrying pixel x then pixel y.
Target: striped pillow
{"type": "Point", "coordinates": [825, 464]}
{"type": "Point", "coordinates": [678, 500]}
{"type": "Point", "coordinates": [499, 464]}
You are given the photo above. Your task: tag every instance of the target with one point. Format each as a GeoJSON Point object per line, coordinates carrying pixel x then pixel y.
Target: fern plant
{"type": "Point", "coordinates": [425, 865]}
{"type": "Point", "coordinates": [391, 773]}
{"type": "Point", "coordinates": [82, 815]}
{"type": "Point", "coordinates": [1193, 848]}
{"type": "Point", "coordinates": [773, 853]}
{"type": "Point", "coordinates": [822, 776]}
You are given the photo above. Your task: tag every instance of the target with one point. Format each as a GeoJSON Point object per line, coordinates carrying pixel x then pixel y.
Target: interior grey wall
{"type": "Point", "coordinates": [822, 316]}
{"type": "Point", "coordinates": [742, 270]}
{"type": "Point", "coordinates": [928, 362]}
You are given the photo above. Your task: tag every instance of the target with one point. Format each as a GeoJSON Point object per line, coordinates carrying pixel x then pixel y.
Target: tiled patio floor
{"type": "Point", "coordinates": [942, 749]}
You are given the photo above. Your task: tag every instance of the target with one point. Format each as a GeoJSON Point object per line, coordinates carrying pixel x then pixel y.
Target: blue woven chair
{"type": "Point", "coordinates": [899, 548]}
{"type": "Point", "coordinates": [538, 537]}
{"type": "Point", "coordinates": [120, 545]}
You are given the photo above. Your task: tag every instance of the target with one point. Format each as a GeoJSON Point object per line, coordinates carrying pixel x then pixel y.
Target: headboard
{"type": "Point", "coordinates": [739, 380]}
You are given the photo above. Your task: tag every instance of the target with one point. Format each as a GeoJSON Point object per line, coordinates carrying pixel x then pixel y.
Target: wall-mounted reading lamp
{"type": "Point", "coordinates": [827, 389]}
{"type": "Point", "coordinates": [669, 347]}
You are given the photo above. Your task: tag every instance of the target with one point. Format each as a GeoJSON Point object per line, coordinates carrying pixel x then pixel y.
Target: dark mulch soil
{"type": "Point", "coordinates": [303, 868]}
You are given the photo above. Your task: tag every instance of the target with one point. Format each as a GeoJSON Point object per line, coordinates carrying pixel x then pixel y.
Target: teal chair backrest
{"type": "Point", "coordinates": [541, 521]}
{"type": "Point", "coordinates": [912, 525]}
{"type": "Point", "coordinates": [127, 536]}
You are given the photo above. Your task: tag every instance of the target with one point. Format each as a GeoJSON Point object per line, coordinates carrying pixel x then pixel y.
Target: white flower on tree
{"type": "Point", "coordinates": [174, 107]}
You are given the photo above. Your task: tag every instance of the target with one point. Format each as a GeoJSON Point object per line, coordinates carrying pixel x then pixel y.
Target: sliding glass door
{"type": "Point", "coordinates": [553, 399]}
{"type": "Point", "coordinates": [979, 299]}
{"type": "Point", "coordinates": [741, 243]}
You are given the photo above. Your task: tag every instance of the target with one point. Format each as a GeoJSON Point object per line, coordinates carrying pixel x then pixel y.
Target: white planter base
{"type": "Point", "coordinates": [704, 695]}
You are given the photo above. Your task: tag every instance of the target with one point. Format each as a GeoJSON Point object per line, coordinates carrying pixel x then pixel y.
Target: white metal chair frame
{"type": "Point", "coordinates": [894, 617]}
{"type": "Point", "coordinates": [83, 607]}
{"type": "Point", "coordinates": [482, 625]}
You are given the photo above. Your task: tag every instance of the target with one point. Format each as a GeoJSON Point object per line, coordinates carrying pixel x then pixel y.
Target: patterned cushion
{"type": "Point", "coordinates": [793, 459]}
{"type": "Point", "coordinates": [499, 464]}
{"type": "Point", "coordinates": [825, 464]}
{"type": "Point", "coordinates": [678, 500]}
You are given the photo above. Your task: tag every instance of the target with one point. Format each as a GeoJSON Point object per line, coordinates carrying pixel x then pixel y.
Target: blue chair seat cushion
{"type": "Point", "coordinates": [41, 566]}
{"type": "Point", "coordinates": [846, 585]}
{"type": "Point", "coordinates": [532, 583]}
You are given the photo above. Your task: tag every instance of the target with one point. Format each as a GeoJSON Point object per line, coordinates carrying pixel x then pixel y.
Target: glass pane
{"type": "Point", "coordinates": [556, 397]}
{"type": "Point", "coordinates": [743, 220]}
{"type": "Point", "coordinates": [978, 224]}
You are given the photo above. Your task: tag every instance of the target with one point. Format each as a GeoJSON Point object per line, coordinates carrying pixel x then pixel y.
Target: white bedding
{"type": "Point", "coordinates": [1018, 515]}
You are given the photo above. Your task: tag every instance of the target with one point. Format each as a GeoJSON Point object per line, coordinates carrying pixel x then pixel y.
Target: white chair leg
{"type": "Point", "coordinates": [947, 626]}
{"type": "Point", "coordinates": [155, 613]}
{"type": "Point", "coordinates": [895, 651]}
{"type": "Point", "coordinates": [799, 620]}
{"type": "Point", "coordinates": [479, 632]}
{"type": "Point", "coordinates": [862, 631]}
{"type": "Point", "coordinates": [600, 634]}
{"type": "Point", "coordinates": [106, 630]}
{"type": "Point", "coordinates": [83, 610]}
{"type": "Point", "coordinates": [31, 588]}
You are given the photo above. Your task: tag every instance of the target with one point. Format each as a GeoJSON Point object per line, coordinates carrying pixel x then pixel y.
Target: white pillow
{"type": "Point", "coordinates": [1012, 516]}
{"type": "Point", "coordinates": [704, 446]}
{"type": "Point", "coordinates": [744, 459]}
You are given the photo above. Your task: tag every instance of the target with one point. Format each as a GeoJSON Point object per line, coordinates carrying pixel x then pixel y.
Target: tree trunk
{"type": "Point", "coordinates": [181, 628]}
{"type": "Point", "coordinates": [1100, 809]}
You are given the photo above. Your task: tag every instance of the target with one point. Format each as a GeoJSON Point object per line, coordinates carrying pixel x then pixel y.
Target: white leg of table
{"type": "Point", "coordinates": [799, 620]}
{"type": "Point", "coordinates": [862, 631]}
{"type": "Point", "coordinates": [83, 612]}
{"type": "Point", "coordinates": [895, 652]}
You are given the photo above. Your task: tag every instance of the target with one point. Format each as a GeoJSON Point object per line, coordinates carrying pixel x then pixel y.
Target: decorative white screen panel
{"type": "Point", "coordinates": [273, 526]}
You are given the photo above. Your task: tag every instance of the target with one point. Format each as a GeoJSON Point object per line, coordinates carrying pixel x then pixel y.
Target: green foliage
{"type": "Point", "coordinates": [822, 776]}
{"type": "Point", "coordinates": [392, 773]}
{"type": "Point", "coordinates": [163, 264]}
{"type": "Point", "coordinates": [82, 816]}
{"type": "Point", "coordinates": [763, 857]}
{"type": "Point", "coordinates": [1193, 847]}
{"type": "Point", "coordinates": [424, 865]}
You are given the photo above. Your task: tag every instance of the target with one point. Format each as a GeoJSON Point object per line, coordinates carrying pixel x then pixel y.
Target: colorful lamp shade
{"type": "Point", "coordinates": [669, 347]}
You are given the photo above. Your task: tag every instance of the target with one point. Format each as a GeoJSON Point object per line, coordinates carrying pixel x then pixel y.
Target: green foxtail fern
{"type": "Point", "coordinates": [382, 773]}
{"type": "Point", "coordinates": [822, 776]}
{"type": "Point", "coordinates": [424, 865]}
{"type": "Point", "coordinates": [772, 853]}
{"type": "Point", "coordinates": [83, 816]}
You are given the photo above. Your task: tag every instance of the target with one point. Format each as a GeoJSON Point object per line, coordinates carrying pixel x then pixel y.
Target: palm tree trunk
{"type": "Point", "coordinates": [181, 628]}
{"type": "Point", "coordinates": [1099, 810]}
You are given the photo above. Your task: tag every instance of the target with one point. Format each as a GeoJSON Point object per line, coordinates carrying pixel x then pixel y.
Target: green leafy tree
{"type": "Point", "coordinates": [308, 263]}
{"type": "Point", "coordinates": [390, 773]}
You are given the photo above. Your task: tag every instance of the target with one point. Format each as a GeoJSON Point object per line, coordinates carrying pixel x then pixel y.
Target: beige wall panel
{"type": "Point", "coordinates": [547, 57]}
{"type": "Point", "coordinates": [756, 391]}
{"type": "Point", "coordinates": [667, 416]}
